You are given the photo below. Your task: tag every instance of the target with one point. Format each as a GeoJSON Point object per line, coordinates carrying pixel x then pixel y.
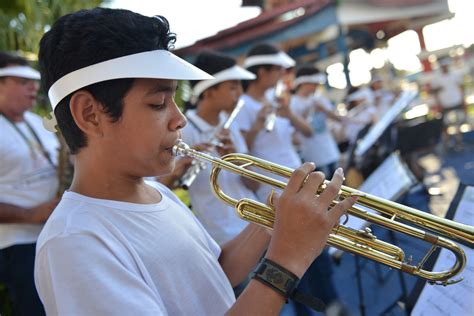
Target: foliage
{"type": "Point", "coordinates": [23, 22]}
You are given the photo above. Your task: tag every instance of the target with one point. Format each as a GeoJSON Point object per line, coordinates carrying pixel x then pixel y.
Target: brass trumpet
{"type": "Point", "coordinates": [358, 242]}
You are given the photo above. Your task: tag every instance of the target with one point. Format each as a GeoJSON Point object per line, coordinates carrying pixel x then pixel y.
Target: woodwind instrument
{"type": "Point", "coordinates": [197, 166]}
{"type": "Point", "coordinates": [275, 99]}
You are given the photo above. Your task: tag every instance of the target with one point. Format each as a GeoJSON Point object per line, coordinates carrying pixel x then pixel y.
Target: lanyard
{"type": "Point", "coordinates": [28, 141]}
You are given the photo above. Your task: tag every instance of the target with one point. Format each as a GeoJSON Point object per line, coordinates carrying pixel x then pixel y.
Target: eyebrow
{"type": "Point", "coordinates": [163, 87]}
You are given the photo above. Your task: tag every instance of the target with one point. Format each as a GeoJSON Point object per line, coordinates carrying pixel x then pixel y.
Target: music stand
{"type": "Point", "coordinates": [405, 98]}
{"type": "Point", "coordinates": [390, 181]}
{"type": "Point", "coordinates": [434, 300]}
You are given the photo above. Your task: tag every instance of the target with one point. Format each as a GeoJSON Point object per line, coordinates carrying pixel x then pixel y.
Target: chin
{"type": "Point", "coordinates": [166, 169]}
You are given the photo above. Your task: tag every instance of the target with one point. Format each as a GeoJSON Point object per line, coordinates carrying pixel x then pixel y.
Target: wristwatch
{"type": "Point", "coordinates": [276, 277]}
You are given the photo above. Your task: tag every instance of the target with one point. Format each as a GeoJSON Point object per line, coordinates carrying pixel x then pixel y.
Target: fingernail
{"type": "Point", "coordinates": [340, 172]}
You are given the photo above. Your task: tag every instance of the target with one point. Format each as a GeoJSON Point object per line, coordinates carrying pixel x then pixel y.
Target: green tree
{"type": "Point", "coordinates": [23, 22]}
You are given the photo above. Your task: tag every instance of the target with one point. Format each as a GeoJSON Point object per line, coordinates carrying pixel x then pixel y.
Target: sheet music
{"type": "Point", "coordinates": [389, 181]}
{"type": "Point", "coordinates": [456, 299]}
{"type": "Point", "coordinates": [377, 130]}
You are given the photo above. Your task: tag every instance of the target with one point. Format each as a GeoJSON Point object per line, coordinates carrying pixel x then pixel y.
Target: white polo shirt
{"type": "Point", "coordinates": [27, 179]}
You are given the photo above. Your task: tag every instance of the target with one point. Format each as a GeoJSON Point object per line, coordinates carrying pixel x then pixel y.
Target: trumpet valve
{"type": "Point", "coordinates": [366, 233]}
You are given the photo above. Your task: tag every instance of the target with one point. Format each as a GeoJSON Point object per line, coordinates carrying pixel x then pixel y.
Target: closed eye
{"type": "Point", "coordinates": [157, 107]}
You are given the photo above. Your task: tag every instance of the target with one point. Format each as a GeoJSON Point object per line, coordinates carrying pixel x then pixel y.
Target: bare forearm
{"type": "Point", "coordinates": [257, 299]}
{"type": "Point", "coordinates": [10, 213]}
{"type": "Point", "coordinates": [301, 125]}
{"type": "Point", "coordinates": [240, 255]}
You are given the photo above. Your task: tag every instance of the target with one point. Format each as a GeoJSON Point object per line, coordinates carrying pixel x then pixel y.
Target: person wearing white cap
{"type": "Point", "coordinates": [276, 145]}
{"type": "Point", "coordinates": [320, 148]}
{"type": "Point", "coordinates": [448, 87]}
{"type": "Point", "coordinates": [28, 180]}
{"type": "Point", "coordinates": [361, 113]}
{"type": "Point", "coordinates": [215, 99]}
{"type": "Point", "coordinates": [116, 245]}
{"type": "Point", "coordinates": [383, 98]}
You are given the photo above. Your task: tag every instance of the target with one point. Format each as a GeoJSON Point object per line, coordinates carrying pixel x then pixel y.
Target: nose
{"type": "Point", "coordinates": [178, 120]}
{"type": "Point", "coordinates": [33, 85]}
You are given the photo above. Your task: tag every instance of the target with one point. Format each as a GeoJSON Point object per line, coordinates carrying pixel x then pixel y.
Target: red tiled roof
{"type": "Point", "coordinates": [266, 23]}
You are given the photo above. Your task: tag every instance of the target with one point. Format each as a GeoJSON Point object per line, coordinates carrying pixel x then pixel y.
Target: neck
{"type": "Point", "coordinates": [208, 112]}
{"type": "Point", "coordinates": [97, 180]}
{"type": "Point", "coordinates": [256, 91]}
{"type": "Point", "coordinates": [14, 117]}
{"type": "Point", "coordinates": [303, 93]}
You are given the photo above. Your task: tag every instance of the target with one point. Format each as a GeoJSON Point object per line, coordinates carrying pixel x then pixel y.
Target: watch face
{"type": "Point", "coordinates": [274, 275]}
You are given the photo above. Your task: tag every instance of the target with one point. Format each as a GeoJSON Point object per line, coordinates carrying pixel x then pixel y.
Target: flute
{"type": "Point", "coordinates": [277, 94]}
{"type": "Point", "coordinates": [197, 166]}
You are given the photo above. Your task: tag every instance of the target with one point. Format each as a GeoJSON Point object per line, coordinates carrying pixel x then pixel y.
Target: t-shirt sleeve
{"type": "Point", "coordinates": [238, 140]}
{"type": "Point", "coordinates": [244, 118]}
{"type": "Point", "coordinates": [296, 107]}
{"type": "Point", "coordinates": [91, 280]}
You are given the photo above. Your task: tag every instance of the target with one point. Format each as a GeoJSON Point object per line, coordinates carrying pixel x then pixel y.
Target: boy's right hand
{"type": "Point", "coordinates": [303, 221]}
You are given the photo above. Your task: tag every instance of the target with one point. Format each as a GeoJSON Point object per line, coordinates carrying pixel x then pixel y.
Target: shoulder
{"type": "Point", "coordinates": [68, 218]}
{"type": "Point", "coordinates": [36, 123]}
{"type": "Point", "coordinates": [166, 192]}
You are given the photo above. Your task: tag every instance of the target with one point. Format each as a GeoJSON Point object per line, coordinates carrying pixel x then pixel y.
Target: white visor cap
{"type": "Point", "coordinates": [156, 64]}
{"type": "Point", "coordinates": [279, 59]}
{"type": "Point", "coordinates": [20, 71]}
{"type": "Point", "coordinates": [359, 95]}
{"type": "Point", "coordinates": [316, 78]}
{"type": "Point", "coordinates": [233, 73]}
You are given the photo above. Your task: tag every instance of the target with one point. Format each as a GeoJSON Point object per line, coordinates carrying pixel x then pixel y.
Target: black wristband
{"type": "Point", "coordinates": [276, 277]}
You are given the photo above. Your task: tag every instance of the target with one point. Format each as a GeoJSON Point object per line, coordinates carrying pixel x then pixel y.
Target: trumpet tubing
{"type": "Point", "coordinates": [359, 242]}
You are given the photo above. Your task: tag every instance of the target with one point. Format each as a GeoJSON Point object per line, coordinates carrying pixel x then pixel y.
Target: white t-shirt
{"type": "Point", "coordinates": [27, 179]}
{"type": "Point", "coordinates": [363, 114]}
{"type": "Point", "coordinates": [219, 219]}
{"type": "Point", "coordinates": [102, 257]}
{"type": "Point", "coordinates": [275, 146]}
{"type": "Point", "coordinates": [450, 94]}
{"type": "Point", "coordinates": [320, 148]}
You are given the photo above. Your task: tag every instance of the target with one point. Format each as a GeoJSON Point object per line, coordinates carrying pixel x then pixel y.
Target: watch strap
{"type": "Point", "coordinates": [285, 283]}
{"type": "Point", "coordinates": [275, 276]}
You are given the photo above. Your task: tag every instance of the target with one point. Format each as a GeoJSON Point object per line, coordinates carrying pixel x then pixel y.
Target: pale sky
{"type": "Point", "coordinates": [192, 20]}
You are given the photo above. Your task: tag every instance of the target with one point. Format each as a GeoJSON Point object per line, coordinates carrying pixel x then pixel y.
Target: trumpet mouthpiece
{"type": "Point", "coordinates": [180, 149]}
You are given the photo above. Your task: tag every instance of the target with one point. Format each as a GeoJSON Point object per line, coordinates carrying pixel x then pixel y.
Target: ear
{"type": "Point", "coordinates": [208, 94]}
{"type": "Point", "coordinates": [261, 72]}
{"type": "Point", "coordinates": [87, 113]}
